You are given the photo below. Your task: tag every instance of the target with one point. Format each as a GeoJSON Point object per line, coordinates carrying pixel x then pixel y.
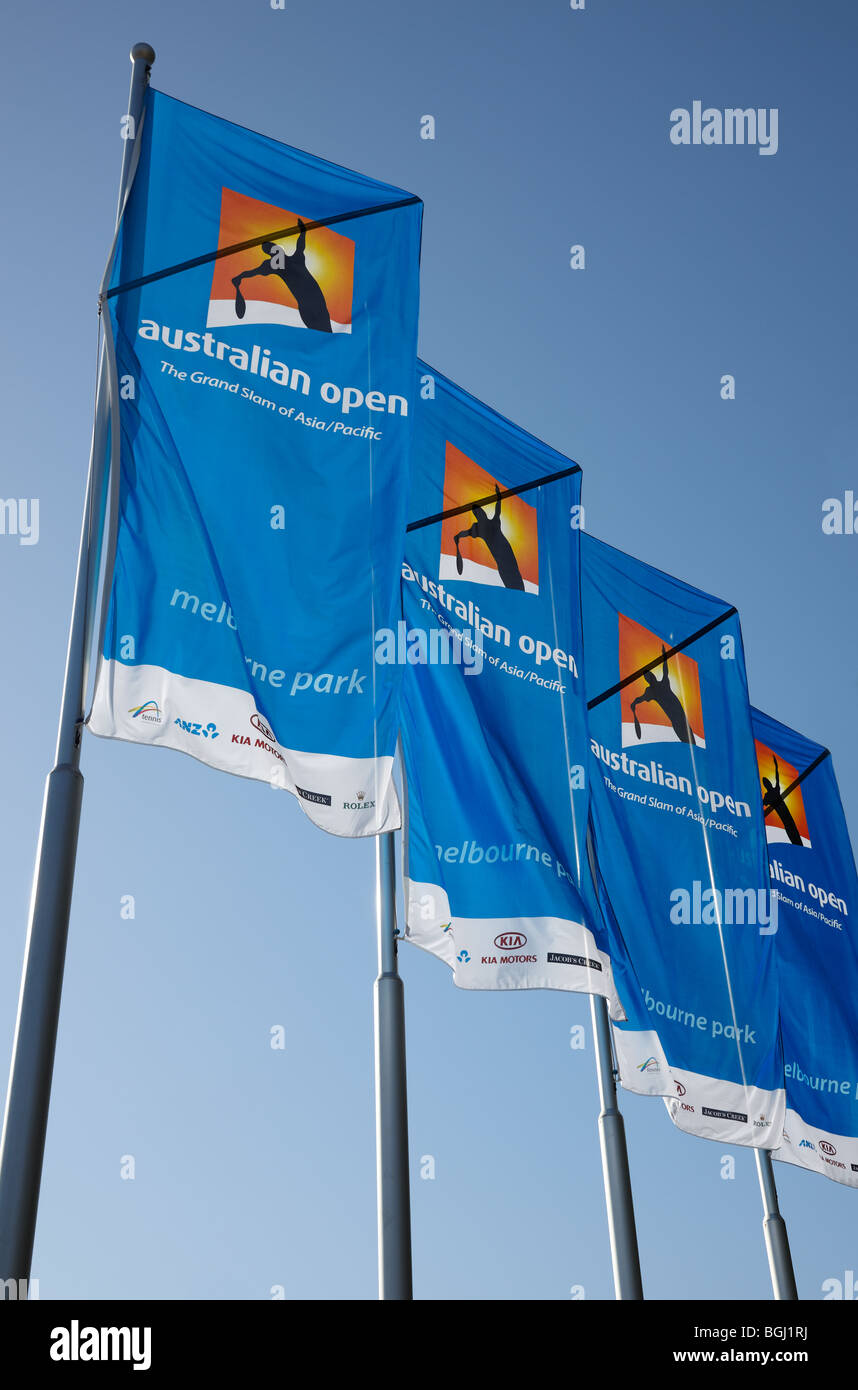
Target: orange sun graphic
{"type": "Point", "coordinates": [313, 289]}
{"type": "Point", "coordinates": [671, 708]}
{"type": "Point", "coordinates": [506, 553]}
{"type": "Point", "coordinates": [786, 821]}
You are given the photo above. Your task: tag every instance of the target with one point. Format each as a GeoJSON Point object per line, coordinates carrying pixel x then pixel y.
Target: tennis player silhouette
{"type": "Point", "coordinates": [488, 529]}
{"type": "Point", "coordinates": [661, 694]}
{"type": "Point", "coordinates": [293, 271]}
{"type": "Point", "coordinates": [773, 801]}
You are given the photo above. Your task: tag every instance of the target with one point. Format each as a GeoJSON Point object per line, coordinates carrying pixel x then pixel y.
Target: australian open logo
{"type": "Point", "coordinates": [500, 546]}
{"type": "Point", "coordinates": [783, 803]}
{"type": "Point", "coordinates": [663, 705]}
{"type": "Point", "coordinates": [294, 274]}
{"type": "Point", "coordinates": [150, 713]}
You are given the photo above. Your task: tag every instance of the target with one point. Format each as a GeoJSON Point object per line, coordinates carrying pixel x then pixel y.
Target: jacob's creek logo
{"type": "Point", "coordinates": [564, 958]}
{"type": "Point", "coordinates": [663, 705]}
{"type": "Point", "coordinates": [199, 730]}
{"type": "Point", "coordinates": [150, 713]}
{"type": "Point", "coordinates": [496, 541]}
{"type": "Point", "coordinates": [360, 803]}
{"type": "Point", "coordinates": [786, 822]}
{"type": "Point", "coordinates": [302, 281]}
{"type": "Point", "coordinates": [318, 798]}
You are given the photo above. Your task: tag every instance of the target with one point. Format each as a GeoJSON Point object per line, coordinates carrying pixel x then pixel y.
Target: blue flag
{"type": "Point", "coordinates": [263, 306]}
{"type": "Point", "coordinates": [494, 725]}
{"type": "Point", "coordinates": [813, 873]}
{"type": "Point", "coordinates": [681, 849]}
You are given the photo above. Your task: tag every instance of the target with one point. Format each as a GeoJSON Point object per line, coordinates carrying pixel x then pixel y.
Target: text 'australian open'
{"type": "Point", "coordinates": [259, 362]}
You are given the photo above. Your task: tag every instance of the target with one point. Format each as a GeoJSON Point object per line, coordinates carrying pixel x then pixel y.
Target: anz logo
{"type": "Point", "coordinates": [200, 730]}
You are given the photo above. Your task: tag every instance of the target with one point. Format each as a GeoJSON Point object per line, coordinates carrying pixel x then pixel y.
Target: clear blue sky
{"type": "Point", "coordinates": [256, 1167]}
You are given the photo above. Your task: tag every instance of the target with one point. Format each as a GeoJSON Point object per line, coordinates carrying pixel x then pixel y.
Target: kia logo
{"type": "Point", "coordinates": [510, 941]}
{"type": "Point", "coordinates": [259, 723]}
{"type": "Point", "coordinates": [827, 1148]}
{"type": "Point", "coordinates": [680, 1089]}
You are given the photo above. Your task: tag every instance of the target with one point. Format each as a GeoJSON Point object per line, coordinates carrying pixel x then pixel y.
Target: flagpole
{"type": "Point", "coordinates": [775, 1232]}
{"type": "Point", "coordinates": [622, 1231]}
{"type": "Point", "coordinates": [391, 1096]}
{"type": "Point", "coordinates": [28, 1097]}
{"type": "Point", "coordinates": [625, 1256]}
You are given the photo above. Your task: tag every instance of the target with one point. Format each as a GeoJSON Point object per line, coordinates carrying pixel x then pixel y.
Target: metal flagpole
{"type": "Point", "coordinates": [625, 1256]}
{"type": "Point", "coordinates": [391, 1097]}
{"type": "Point", "coordinates": [28, 1097]}
{"type": "Point", "coordinates": [775, 1231]}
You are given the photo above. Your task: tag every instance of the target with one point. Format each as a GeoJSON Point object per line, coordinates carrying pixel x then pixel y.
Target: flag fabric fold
{"type": "Point", "coordinates": [680, 849]}
{"type": "Point", "coordinates": [494, 725]}
{"type": "Point", "coordinates": [812, 871]}
{"type": "Point", "coordinates": [265, 399]}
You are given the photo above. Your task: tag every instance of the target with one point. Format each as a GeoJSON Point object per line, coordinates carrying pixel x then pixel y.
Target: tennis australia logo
{"type": "Point", "coordinates": [494, 543]}
{"type": "Point", "coordinates": [150, 713]}
{"type": "Point", "coordinates": [302, 281]}
{"type": "Point", "coordinates": [786, 822]}
{"type": "Point", "coordinates": [663, 705]}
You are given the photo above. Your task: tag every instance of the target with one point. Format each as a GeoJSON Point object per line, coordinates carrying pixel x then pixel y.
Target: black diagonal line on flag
{"type": "Point", "coordinates": [801, 776]}
{"type": "Point", "coordinates": [636, 675]}
{"type": "Point", "coordinates": [255, 241]}
{"type": "Point", "coordinates": [495, 497]}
